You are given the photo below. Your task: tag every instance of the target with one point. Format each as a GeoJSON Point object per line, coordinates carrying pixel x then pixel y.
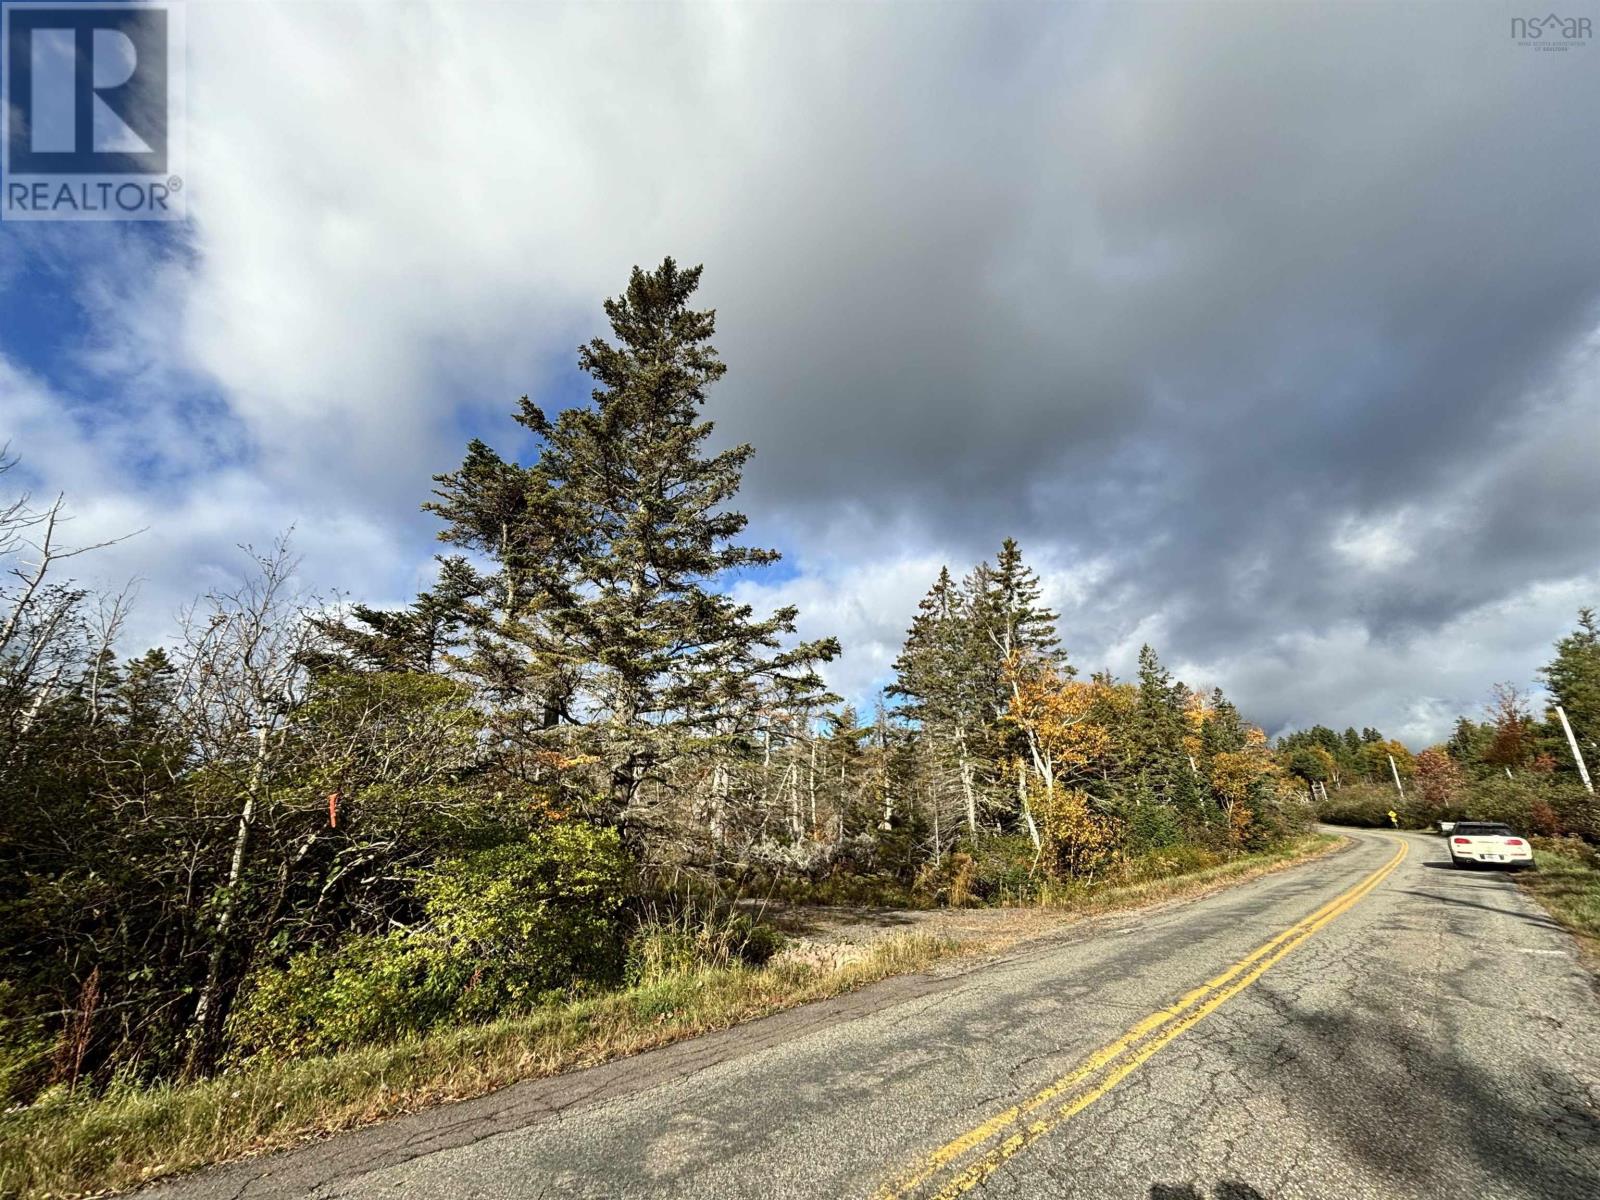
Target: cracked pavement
{"type": "Point", "coordinates": [1438, 1039]}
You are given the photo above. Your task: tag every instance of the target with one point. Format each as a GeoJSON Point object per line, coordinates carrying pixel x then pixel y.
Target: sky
{"type": "Point", "coordinates": [1272, 332]}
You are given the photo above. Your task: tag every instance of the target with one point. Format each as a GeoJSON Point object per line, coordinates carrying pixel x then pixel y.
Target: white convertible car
{"type": "Point", "coordinates": [1483, 842]}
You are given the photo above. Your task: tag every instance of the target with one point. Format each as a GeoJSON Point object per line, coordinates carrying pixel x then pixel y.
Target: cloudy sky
{"type": "Point", "coordinates": [1271, 331]}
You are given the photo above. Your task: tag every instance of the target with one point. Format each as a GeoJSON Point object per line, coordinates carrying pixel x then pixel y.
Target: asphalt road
{"type": "Point", "coordinates": [1371, 1024]}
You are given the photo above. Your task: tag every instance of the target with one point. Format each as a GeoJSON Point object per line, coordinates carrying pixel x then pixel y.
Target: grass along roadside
{"type": "Point", "coordinates": [1567, 884]}
{"type": "Point", "coordinates": [71, 1147]}
{"type": "Point", "coordinates": [1193, 884]}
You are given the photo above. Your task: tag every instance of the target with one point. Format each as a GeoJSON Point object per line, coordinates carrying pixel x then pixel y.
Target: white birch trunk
{"type": "Point", "coordinates": [241, 842]}
{"type": "Point", "coordinates": [1027, 811]}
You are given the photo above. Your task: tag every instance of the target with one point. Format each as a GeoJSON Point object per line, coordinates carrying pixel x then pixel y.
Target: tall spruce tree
{"type": "Point", "coordinates": [610, 545]}
{"type": "Point", "coordinates": [923, 675]}
{"type": "Point", "coordinates": [940, 674]}
{"type": "Point", "coordinates": [1573, 677]}
{"type": "Point", "coordinates": [1009, 623]}
{"type": "Point", "coordinates": [1018, 633]}
{"type": "Point", "coordinates": [1012, 611]}
{"type": "Point", "coordinates": [1158, 729]}
{"type": "Point", "coordinates": [416, 639]}
{"type": "Point", "coordinates": [1224, 732]}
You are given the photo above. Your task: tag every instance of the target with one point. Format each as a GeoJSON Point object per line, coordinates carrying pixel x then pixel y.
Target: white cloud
{"type": "Point", "coordinates": [867, 605]}
{"type": "Point", "coordinates": [1343, 675]}
{"type": "Point", "coordinates": [1219, 346]}
{"type": "Point", "coordinates": [1374, 545]}
{"type": "Point", "coordinates": [175, 543]}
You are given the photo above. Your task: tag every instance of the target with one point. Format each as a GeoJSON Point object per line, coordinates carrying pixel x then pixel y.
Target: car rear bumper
{"type": "Point", "coordinates": [1484, 860]}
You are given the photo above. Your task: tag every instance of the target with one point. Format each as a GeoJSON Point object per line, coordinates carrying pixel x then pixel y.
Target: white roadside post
{"type": "Point", "coordinates": [1577, 755]}
{"type": "Point", "coordinates": [1395, 771]}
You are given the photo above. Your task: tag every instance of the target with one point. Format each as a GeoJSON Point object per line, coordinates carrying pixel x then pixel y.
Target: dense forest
{"type": "Point", "coordinates": [296, 828]}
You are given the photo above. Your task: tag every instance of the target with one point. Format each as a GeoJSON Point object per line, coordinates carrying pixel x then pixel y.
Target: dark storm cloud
{"type": "Point", "coordinates": [1279, 311]}
{"type": "Point", "coordinates": [1268, 329]}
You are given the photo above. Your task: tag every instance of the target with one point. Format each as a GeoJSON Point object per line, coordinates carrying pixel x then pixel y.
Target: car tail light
{"type": "Point", "coordinates": [1462, 841]}
{"type": "Point", "coordinates": [1513, 841]}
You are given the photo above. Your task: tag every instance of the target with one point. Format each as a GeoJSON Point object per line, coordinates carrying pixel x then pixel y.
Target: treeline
{"type": "Point", "coordinates": [1002, 736]}
{"type": "Point", "coordinates": [298, 827]}
{"type": "Point", "coordinates": [1508, 764]}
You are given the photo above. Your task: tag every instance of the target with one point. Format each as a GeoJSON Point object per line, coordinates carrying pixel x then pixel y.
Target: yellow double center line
{"type": "Point", "coordinates": [962, 1164]}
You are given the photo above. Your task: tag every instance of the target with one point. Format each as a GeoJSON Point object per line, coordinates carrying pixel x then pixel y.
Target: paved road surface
{"type": "Point", "coordinates": [1372, 1024]}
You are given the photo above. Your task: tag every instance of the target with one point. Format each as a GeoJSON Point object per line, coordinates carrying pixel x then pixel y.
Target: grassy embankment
{"type": "Point", "coordinates": [1567, 884]}
{"type": "Point", "coordinates": [72, 1146]}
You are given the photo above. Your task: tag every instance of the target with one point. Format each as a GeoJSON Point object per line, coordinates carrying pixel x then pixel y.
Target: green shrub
{"type": "Point", "coordinates": [528, 917]}
{"type": "Point", "coordinates": [991, 869]}
{"type": "Point", "coordinates": [1574, 848]}
{"type": "Point", "coordinates": [366, 989]}
{"type": "Point", "coordinates": [1279, 818]}
{"type": "Point", "coordinates": [1152, 827]}
{"type": "Point", "coordinates": [1367, 806]}
{"type": "Point", "coordinates": [1533, 803]}
{"type": "Point", "coordinates": [1578, 812]}
{"type": "Point", "coordinates": [1004, 867]}
{"type": "Point", "coordinates": [762, 944]}
{"type": "Point", "coordinates": [872, 889]}
{"type": "Point", "coordinates": [944, 881]}
{"type": "Point", "coordinates": [506, 927]}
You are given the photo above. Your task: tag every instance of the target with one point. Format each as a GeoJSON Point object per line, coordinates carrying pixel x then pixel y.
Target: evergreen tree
{"type": "Point", "coordinates": [1009, 608]}
{"type": "Point", "coordinates": [1224, 732]}
{"type": "Point", "coordinates": [522, 660]}
{"type": "Point", "coordinates": [1573, 677]}
{"type": "Point", "coordinates": [844, 751]}
{"type": "Point", "coordinates": [417, 638]}
{"type": "Point", "coordinates": [1016, 639]}
{"type": "Point", "coordinates": [610, 545]}
{"type": "Point", "coordinates": [1469, 742]}
{"type": "Point", "coordinates": [1158, 728]}
{"type": "Point", "coordinates": [926, 666]}
{"type": "Point", "coordinates": [941, 674]}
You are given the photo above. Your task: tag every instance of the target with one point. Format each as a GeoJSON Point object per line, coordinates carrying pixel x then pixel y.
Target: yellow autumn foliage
{"type": "Point", "coordinates": [1057, 716]}
{"type": "Point", "coordinates": [1077, 841]}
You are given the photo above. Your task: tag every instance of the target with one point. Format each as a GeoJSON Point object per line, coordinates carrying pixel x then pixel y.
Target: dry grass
{"type": "Point", "coordinates": [73, 1146]}
{"type": "Point", "coordinates": [1191, 885]}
